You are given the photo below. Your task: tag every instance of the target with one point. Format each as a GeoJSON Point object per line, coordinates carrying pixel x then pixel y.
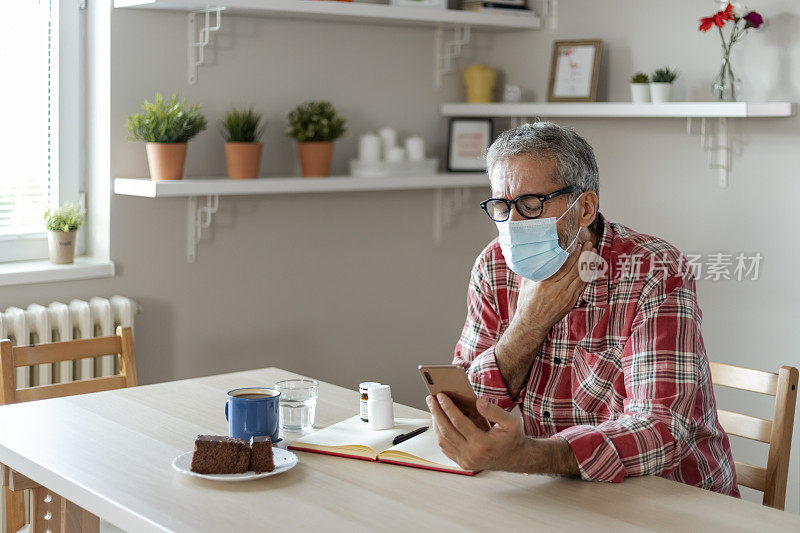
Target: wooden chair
{"type": "Point", "coordinates": [776, 432]}
{"type": "Point", "coordinates": [61, 514]}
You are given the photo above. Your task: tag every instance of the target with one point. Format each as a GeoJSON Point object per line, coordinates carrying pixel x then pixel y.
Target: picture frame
{"type": "Point", "coordinates": [574, 70]}
{"type": "Point", "coordinates": [467, 142]}
{"type": "Point", "coordinates": [435, 4]}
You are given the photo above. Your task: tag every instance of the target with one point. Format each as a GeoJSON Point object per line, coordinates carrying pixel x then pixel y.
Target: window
{"type": "Point", "coordinates": [40, 139]}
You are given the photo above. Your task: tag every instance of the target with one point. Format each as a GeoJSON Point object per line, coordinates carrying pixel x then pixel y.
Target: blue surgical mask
{"type": "Point", "coordinates": [531, 248]}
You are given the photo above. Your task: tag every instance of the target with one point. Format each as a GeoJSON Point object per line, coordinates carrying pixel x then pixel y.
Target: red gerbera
{"type": "Point", "coordinates": [719, 18]}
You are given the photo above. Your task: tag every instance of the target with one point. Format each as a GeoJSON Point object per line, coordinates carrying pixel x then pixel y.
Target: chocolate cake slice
{"type": "Point", "coordinates": [216, 454]}
{"type": "Point", "coordinates": [261, 455]}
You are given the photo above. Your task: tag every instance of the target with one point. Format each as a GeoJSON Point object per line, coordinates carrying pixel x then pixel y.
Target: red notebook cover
{"type": "Point", "coordinates": [390, 461]}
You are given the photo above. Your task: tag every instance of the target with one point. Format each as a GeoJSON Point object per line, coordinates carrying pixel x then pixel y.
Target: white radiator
{"type": "Point", "coordinates": [56, 322]}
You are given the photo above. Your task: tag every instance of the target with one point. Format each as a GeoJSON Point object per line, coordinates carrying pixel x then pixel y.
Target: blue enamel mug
{"type": "Point", "coordinates": [253, 412]}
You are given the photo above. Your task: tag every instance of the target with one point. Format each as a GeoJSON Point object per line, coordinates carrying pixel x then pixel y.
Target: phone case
{"type": "Point", "coordinates": [452, 380]}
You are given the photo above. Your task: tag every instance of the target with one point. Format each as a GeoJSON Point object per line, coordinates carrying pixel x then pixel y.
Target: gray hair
{"type": "Point", "coordinates": [575, 161]}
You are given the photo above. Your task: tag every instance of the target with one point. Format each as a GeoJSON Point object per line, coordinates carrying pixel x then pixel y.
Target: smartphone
{"type": "Point", "coordinates": [452, 380]}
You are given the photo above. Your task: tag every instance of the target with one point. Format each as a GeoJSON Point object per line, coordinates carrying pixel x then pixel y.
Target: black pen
{"type": "Point", "coordinates": [405, 436]}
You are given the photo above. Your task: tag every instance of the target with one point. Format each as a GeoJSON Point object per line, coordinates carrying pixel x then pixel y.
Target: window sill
{"type": "Point", "coordinates": [24, 272]}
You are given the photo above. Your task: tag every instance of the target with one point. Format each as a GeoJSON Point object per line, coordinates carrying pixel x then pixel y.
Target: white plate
{"type": "Point", "coordinates": [284, 460]}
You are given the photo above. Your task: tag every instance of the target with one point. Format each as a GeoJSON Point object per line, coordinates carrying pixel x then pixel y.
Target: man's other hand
{"type": "Point", "coordinates": [543, 304]}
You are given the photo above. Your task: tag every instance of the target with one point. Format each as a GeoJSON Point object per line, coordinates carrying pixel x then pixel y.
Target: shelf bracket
{"type": "Point", "coordinates": [446, 51]}
{"type": "Point", "coordinates": [446, 207]}
{"type": "Point", "coordinates": [718, 145]}
{"type": "Point", "coordinates": [199, 216]}
{"type": "Point", "coordinates": [198, 40]}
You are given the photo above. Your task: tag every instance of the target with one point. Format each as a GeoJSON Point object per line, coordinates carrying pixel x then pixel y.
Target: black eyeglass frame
{"type": "Point", "coordinates": [542, 199]}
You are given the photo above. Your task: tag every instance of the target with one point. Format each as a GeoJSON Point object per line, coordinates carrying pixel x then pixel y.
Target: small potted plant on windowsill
{"type": "Point", "coordinates": [315, 125]}
{"type": "Point", "coordinates": [242, 131]}
{"type": "Point", "coordinates": [661, 84]}
{"type": "Point", "coordinates": [640, 88]}
{"type": "Point", "coordinates": [62, 228]}
{"type": "Point", "coordinates": [166, 127]}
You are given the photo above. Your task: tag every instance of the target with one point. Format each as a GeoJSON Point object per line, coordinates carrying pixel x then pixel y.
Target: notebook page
{"type": "Point", "coordinates": [425, 447]}
{"type": "Point", "coordinates": [355, 432]}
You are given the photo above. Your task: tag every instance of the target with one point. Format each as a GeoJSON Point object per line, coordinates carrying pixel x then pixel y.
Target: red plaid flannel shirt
{"type": "Point", "coordinates": [623, 377]}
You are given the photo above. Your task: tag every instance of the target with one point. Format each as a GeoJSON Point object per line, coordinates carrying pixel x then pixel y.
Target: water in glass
{"type": "Point", "coordinates": [298, 402]}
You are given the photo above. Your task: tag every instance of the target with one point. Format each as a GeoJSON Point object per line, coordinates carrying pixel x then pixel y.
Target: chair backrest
{"type": "Point", "coordinates": [11, 357]}
{"type": "Point", "coordinates": [776, 432]}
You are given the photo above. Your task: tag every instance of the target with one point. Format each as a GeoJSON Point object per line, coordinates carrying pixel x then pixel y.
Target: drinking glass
{"type": "Point", "coordinates": [298, 403]}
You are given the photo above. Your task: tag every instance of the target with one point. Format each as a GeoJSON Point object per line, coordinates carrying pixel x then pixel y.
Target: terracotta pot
{"type": "Point", "coordinates": [315, 158]}
{"type": "Point", "coordinates": [243, 160]}
{"type": "Point", "coordinates": [166, 160]}
{"type": "Point", "coordinates": [62, 246]}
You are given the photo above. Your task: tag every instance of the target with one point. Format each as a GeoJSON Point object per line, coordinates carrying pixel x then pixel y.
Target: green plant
{"type": "Point", "coordinates": [68, 217]}
{"type": "Point", "coordinates": [664, 75]}
{"type": "Point", "coordinates": [242, 126]}
{"type": "Point", "coordinates": [640, 77]}
{"type": "Point", "coordinates": [315, 121]}
{"type": "Point", "coordinates": [165, 121]}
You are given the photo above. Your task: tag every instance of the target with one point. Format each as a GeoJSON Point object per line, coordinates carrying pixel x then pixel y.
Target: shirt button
{"type": "Point", "coordinates": [557, 360]}
{"type": "Point", "coordinates": [546, 414]}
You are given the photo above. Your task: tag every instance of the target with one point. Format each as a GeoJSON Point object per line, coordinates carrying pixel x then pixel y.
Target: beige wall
{"type": "Point", "coordinates": [351, 286]}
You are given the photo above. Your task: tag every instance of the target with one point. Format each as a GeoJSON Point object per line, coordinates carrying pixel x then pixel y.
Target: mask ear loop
{"type": "Point", "coordinates": [579, 228]}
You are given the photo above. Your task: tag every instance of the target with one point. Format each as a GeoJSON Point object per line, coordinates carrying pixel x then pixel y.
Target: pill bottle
{"type": "Point", "coordinates": [380, 408]}
{"type": "Point", "coordinates": [363, 391]}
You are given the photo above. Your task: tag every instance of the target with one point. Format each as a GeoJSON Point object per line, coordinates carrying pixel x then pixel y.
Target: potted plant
{"type": "Point", "coordinates": [640, 88]}
{"type": "Point", "coordinates": [62, 226]}
{"type": "Point", "coordinates": [166, 127]}
{"type": "Point", "coordinates": [661, 84]}
{"type": "Point", "coordinates": [315, 125]}
{"type": "Point", "coordinates": [242, 131]}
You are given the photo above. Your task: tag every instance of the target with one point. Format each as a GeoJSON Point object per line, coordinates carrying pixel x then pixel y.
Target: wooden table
{"type": "Point", "coordinates": [110, 453]}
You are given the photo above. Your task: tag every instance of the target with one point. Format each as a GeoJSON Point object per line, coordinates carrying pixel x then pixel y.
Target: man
{"type": "Point", "coordinates": [610, 374]}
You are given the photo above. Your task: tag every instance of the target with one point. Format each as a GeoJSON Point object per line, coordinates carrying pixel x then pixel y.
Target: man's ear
{"type": "Point", "coordinates": [587, 204]}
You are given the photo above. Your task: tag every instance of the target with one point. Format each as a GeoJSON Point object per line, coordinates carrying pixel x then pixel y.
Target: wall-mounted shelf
{"type": "Point", "coordinates": [205, 18]}
{"type": "Point", "coordinates": [622, 110]}
{"type": "Point", "coordinates": [715, 141]}
{"type": "Point", "coordinates": [201, 211]}
{"type": "Point", "coordinates": [348, 12]}
{"type": "Point", "coordinates": [226, 187]}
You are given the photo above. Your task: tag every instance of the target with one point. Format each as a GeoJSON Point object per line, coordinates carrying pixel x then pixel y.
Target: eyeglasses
{"type": "Point", "coordinates": [527, 205]}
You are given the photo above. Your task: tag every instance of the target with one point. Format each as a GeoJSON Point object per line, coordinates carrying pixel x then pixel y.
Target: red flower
{"type": "Point", "coordinates": [753, 20]}
{"type": "Point", "coordinates": [706, 23]}
{"type": "Point", "coordinates": [719, 18]}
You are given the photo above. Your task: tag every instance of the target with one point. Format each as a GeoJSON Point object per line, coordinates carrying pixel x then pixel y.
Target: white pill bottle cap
{"type": "Point", "coordinates": [380, 392]}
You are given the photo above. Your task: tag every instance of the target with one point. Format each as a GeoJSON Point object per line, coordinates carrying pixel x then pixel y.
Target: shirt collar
{"type": "Point", "coordinates": [596, 291]}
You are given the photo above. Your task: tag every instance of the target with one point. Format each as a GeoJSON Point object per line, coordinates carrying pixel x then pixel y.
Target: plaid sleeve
{"type": "Point", "coordinates": [664, 367]}
{"type": "Point", "coordinates": [475, 349]}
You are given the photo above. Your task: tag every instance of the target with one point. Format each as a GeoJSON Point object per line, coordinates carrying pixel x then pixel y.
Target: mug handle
{"type": "Point", "coordinates": [226, 410]}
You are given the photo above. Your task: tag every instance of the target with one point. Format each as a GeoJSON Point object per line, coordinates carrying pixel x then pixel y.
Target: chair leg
{"type": "Point", "coordinates": [74, 518]}
{"type": "Point", "coordinates": [45, 510]}
{"type": "Point", "coordinates": [15, 509]}
{"type": "Point", "coordinates": [51, 512]}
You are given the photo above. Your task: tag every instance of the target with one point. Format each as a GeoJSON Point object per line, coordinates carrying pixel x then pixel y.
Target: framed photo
{"type": "Point", "coordinates": [574, 70]}
{"type": "Point", "coordinates": [437, 4]}
{"type": "Point", "coordinates": [467, 142]}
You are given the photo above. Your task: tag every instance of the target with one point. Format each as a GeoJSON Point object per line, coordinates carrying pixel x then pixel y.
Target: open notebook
{"type": "Point", "coordinates": [353, 438]}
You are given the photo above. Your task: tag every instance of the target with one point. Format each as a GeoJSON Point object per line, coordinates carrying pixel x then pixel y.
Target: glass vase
{"type": "Point", "coordinates": [727, 87]}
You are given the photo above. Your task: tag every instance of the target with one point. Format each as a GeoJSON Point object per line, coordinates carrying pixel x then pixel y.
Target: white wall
{"type": "Point", "coordinates": [350, 287]}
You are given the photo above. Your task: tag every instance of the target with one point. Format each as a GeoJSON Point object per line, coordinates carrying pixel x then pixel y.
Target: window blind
{"type": "Point", "coordinates": [28, 139]}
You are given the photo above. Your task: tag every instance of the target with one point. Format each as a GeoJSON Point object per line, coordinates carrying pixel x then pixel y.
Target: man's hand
{"type": "Point", "coordinates": [470, 447]}
{"type": "Point", "coordinates": [540, 306]}
{"type": "Point", "coordinates": [504, 447]}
